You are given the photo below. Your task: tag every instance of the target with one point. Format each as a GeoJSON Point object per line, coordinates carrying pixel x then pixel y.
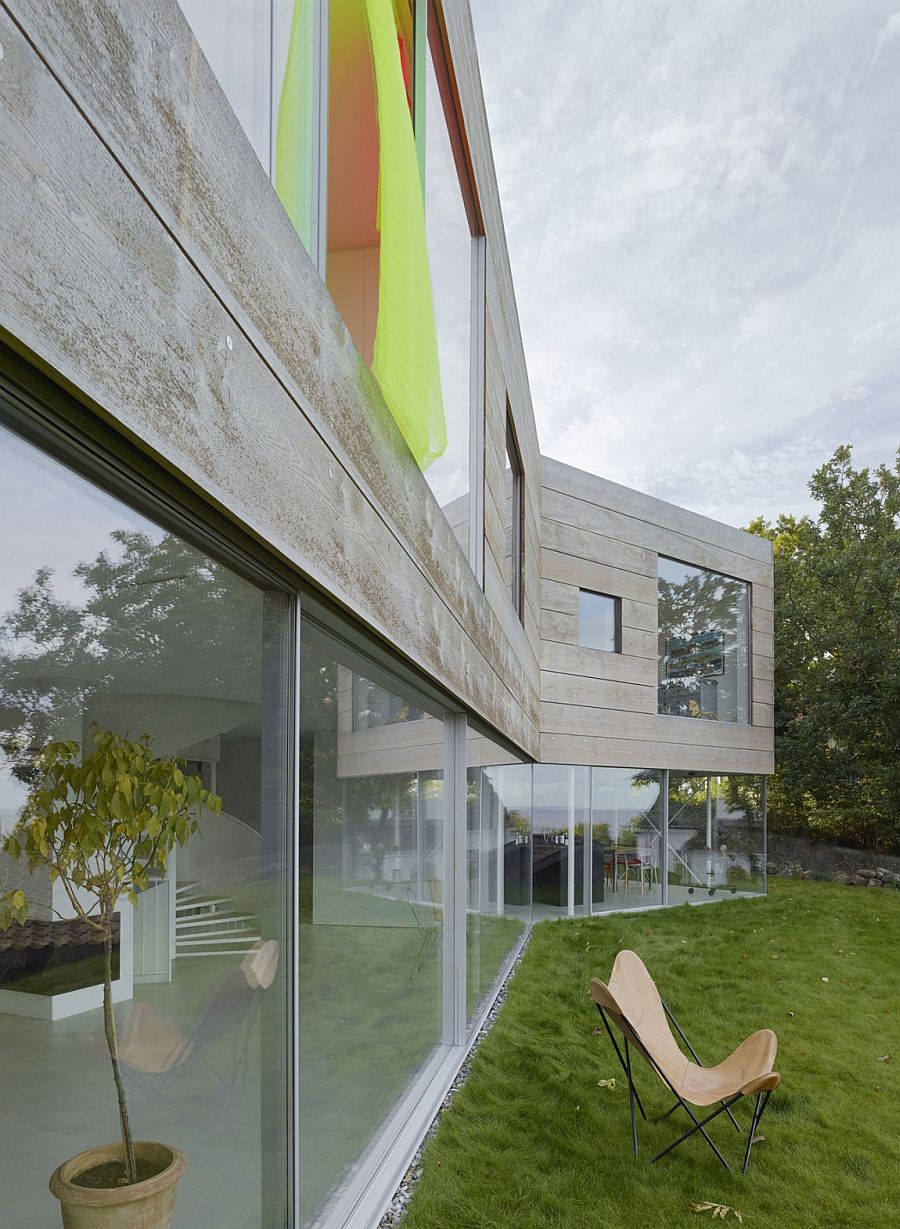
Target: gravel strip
{"type": "Point", "coordinates": [397, 1210]}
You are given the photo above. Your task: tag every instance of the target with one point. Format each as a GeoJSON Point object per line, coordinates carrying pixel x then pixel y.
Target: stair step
{"type": "Point", "coordinates": [216, 921]}
{"type": "Point", "coordinates": [209, 940]}
{"type": "Point", "coordinates": [200, 902]}
{"type": "Point", "coordinates": [237, 951]}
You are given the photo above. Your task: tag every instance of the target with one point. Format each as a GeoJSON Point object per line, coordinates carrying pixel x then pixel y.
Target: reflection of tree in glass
{"type": "Point", "coordinates": [158, 617]}
{"type": "Point", "coordinates": [700, 602]}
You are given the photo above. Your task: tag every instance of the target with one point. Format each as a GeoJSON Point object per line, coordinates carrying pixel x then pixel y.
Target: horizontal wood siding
{"type": "Point", "coordinates": [146, 263]}
{"type": "Point", "coordinates": [601, 708]}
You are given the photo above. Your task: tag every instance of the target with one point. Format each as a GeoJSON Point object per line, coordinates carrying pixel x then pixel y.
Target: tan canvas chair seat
{"type": "Point", "coordinates": [632, 1001]}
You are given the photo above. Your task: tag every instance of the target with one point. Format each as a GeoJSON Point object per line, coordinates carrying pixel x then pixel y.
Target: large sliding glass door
{"type": "Point", "coordinates": [372, 902]}
{"type": "Point", "coordinates": [109, 622]}
{"type": "Point", "coordinates": [498, 863]}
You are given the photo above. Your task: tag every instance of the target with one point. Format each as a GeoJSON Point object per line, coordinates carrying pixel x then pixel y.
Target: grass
{"type": "Point", "coordinates": [370, 1015]}
{"type": "Point", "coordinates": [532, 1141]}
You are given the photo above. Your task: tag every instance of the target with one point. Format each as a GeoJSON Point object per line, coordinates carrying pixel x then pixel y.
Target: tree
{"type": "Point", "coordinates": [100, 822]}
{"type": "Point", "coordinates": [837, 658]}
{"type": "Point", "coordinates": [147, 604]}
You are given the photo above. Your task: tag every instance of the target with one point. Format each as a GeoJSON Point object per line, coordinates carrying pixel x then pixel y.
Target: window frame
{"type": "Point", "coordinates": [431, 38]}
{"type": "Point", "coordinates": [617, 620]}
{"type": "Point", "coordinates": [517, 526]}
{"type": "Point", "coordinates": [748, 585]}
{"type": "Point", "coordinates": [40, 412]}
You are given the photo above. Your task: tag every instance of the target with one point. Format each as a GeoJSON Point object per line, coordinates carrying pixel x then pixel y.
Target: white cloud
{"type": "Point", "coordinates": [701, 202]}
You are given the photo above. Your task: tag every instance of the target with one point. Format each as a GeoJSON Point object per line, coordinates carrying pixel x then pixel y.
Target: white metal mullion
{"type": "Point", "coordinates": [454, 890]}
{"type": "Point", "coordinates": [664, 786]}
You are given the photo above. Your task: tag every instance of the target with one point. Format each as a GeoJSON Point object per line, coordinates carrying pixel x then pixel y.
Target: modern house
{"type": "Point", "coordinates": [272, 493]}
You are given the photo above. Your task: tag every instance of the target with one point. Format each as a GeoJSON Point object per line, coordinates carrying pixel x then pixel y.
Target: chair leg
{"type": "Point", "coordinates": [621, 1059]}
{"type": "Point", "coordinates": [634, 1139]}
{"type": "Point", "coordinates": [758, 1110]}
{"type": "Point", "coordinates": [700, 1125]}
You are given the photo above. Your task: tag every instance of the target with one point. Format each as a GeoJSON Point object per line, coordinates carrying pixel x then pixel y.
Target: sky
{"type": "Point", "coordinates": [702, 206]}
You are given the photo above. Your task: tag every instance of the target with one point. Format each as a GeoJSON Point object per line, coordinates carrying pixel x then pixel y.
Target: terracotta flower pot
{"type": "Point", "coordinates": [143, 1205]}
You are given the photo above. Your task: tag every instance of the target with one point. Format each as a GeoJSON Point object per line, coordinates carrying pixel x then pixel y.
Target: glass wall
{"type": "Point", "coordinates": [449, 235]}
{"type": "Point", "coordinates": [602, 841]}
{"type": "Point", "coordinates": [704, 643]}
{"type": "Point", "coordinates": [561, 819]}
{"type": "Point", "coordinates": [498, 862]}
{"type": "Point", "coordinates": [263, 55]}
{"type": "Point", "coordinates": [627, 838]}
{"type": "Point", "coordinates": [110, 622]}
{"type": "Point", "coordinates": [716, 835]}
{"type": "Point", "coordinates": [372, 896]}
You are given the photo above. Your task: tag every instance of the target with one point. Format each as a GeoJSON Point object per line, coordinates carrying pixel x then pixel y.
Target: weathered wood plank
{"type": "Point", "coordinates": [557, 535]}
{"type": "Point", "coordinates": [594, 663]}
{"type": "Point", "coordinates": [627, 753]}
{"type": "Point", "coordinates": [574, 689]}
{"type": "Point", "coordinates": [761, 620]}
{"type": "Point", "coordinates": [657, 512]}
{"type": "Point", "coordinates": [555, 595]}
{"type": "Point", "coordinates": [598, 577]}
{"type": "Point", "coordinates": [558, 626]}
{"type": "Point", "coordinates": [762, 644]}
{"type": "Point", "coordinates": [620, 723]}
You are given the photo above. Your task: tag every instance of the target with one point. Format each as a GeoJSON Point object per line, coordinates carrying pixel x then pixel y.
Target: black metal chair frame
{"type": "Point", "coordinates": [762, 1098]}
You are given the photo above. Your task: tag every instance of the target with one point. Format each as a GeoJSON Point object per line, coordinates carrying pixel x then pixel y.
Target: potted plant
{"type": "Point", "coordinates": [100, 819]}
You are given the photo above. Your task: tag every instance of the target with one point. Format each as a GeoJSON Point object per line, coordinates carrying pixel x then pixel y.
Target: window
{"type": "Point", "coordinates": [716, 835]}
{"type": "Point", "coordinates": [599, 621]}
{"type": "Point", "coordinates": [375, 178]}
{"type": "Point", "coordinates": [451, 223]}
{"type": "Point", "coordinates": [704, 643]}
{"type": "Point", "coordinates": [498, 857]}
{"type": "Point", "coordinates": [109, 620]}
{"type": "Point", "coordinates": [263, 54]}
{"type": "Point", "coordinates": [514, 519]}
{"type": "Point", "coordinates": [372, 905]}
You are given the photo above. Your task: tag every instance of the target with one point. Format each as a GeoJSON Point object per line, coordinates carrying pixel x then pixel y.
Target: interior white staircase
{"type": "Point", "coordinates": [207, 925]}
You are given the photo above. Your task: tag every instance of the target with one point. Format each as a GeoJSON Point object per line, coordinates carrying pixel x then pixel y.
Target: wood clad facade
{"type": "Point", "coordinates": [599, 707]}
{"type": "Point", "coordinates": [147, 264]}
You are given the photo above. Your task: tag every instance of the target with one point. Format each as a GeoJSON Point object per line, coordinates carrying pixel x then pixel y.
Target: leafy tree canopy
{"type": "Point", "coordinates": [837, 658]}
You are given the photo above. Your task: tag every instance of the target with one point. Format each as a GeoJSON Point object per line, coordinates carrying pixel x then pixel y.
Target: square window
{"type": "Point", "coordinates": [599, 621]}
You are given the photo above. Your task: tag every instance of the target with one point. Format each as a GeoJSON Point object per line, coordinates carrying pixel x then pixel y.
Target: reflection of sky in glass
{"type": "Point", "coordinates": [51, 519]}
{"type": "Point", "coordinates": [597, 621]}
{"type": "Point", "coordinates": [46, 524]}
{"type": "Point", "coordinates": [235, 38]}
{"type": "Point", "coordinates": [450, 254]}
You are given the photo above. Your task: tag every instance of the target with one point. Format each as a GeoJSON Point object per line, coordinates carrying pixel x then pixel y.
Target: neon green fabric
{"type": "Point", "coordinates": [405, 360]}
{"type": "Point", "coordinates": [294, 135]}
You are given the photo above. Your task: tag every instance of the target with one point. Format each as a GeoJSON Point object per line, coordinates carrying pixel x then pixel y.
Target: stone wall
{"type": "Point", "coordinates": [802, 857]}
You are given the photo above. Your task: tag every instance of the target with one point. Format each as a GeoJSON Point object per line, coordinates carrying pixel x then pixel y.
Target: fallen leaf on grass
{"type": "Point", "coordinates": [598, 1031]}
{"type": "Point", "coordinates": [719, 1210]}
{"type": "Point", "coordinates": [607, 1084]}
{"type": "Point", "coordinates": [885, 1058]}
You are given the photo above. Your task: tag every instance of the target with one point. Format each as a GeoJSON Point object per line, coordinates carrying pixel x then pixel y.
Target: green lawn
{"type": "Point", "coordinates": [532, 1141]}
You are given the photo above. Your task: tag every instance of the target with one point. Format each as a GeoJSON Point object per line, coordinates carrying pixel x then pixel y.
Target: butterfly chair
{"type": "Point", "coordinates": [430, 928]}
{"type": "Point", "coordinates": [632, 1002]}
{"type": "Point", "coordinates": [157, 1054]}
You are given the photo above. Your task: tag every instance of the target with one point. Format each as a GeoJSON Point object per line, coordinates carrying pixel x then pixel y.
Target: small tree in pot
{"type": "Point", "coordinates": [100, 819]}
